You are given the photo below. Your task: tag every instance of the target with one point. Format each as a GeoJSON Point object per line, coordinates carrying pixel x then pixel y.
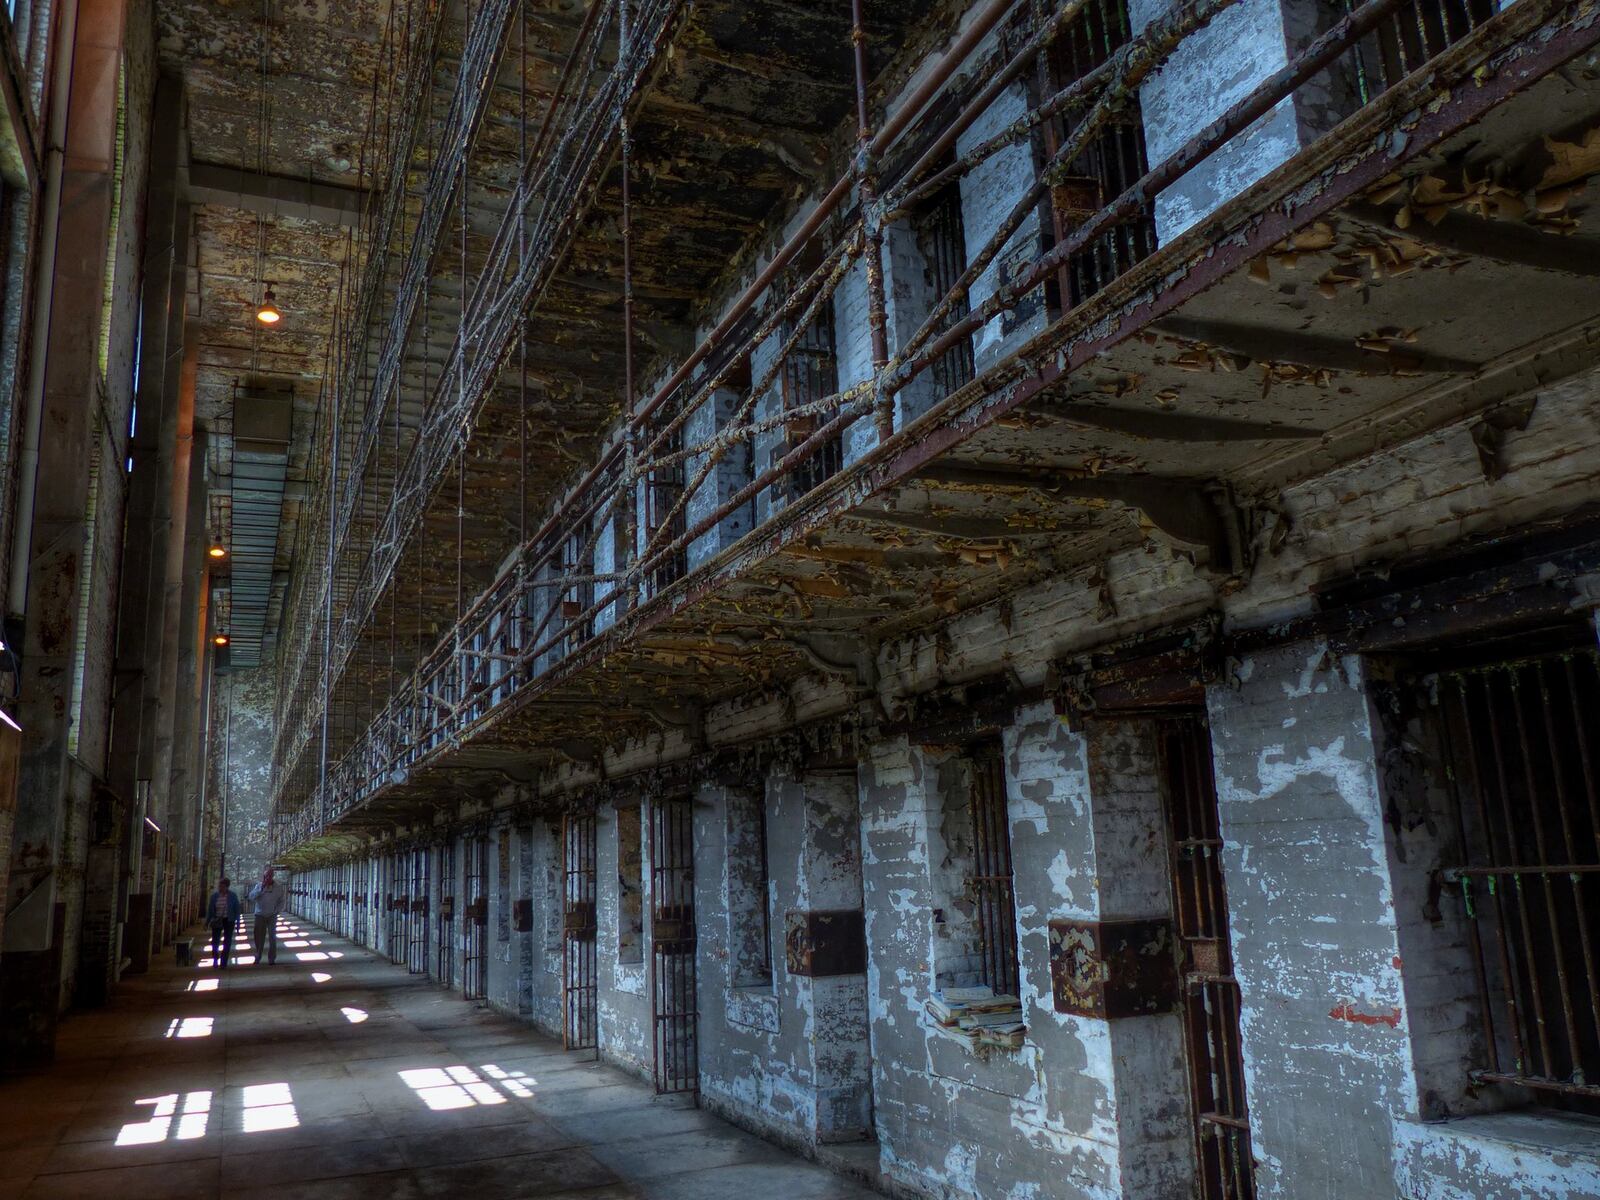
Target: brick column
{"type": "Point", "coordinates": [1254, 38]}
{"type": "Point", "coordinates": [1328, 1039]}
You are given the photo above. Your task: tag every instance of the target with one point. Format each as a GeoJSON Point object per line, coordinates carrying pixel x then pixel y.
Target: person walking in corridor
{"type": "Point", "coordinates": [269, 897]}
{"type": "Point", "coordinates": [222, 914]}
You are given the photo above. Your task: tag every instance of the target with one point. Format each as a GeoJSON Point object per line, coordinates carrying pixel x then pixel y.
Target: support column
{"type": "Point", "coordinates": [136, 704]}
{"type": "Point", "coordinates": [824, 943]}
{"type": "Point", "coordinates": [1255, 38]}
{"type": "Point", "coordinates": [183, 813]}
{"type": "Point", "coordinates": [730, 474]}
{"type": "Point", "coordinates": [1316, 938]}
{"type": "Point", "coordinates": [31, 968]}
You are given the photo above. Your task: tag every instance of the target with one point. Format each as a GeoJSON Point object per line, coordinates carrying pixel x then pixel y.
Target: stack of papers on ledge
{"type": "Point", "coordinates": [976, 1016]}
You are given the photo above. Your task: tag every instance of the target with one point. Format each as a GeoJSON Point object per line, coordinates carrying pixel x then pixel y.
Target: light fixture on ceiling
{"type": "Point", "coordinates": [268, 313]}
{"type": "Point", "coordinates": [220, 640]}
{"type": "Point", "coordinates": [218, 551]}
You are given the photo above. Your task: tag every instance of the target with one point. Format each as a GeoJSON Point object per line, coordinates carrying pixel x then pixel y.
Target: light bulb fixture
{"type": "Point", "coordinates": [268, 313]}
{"type": "Point", "coordinates": [220, 640]}
{"type": "Point", "coordinates": [218, 551]}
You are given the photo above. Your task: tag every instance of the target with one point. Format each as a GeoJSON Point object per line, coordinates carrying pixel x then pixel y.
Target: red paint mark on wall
{"type": "Point", "coordinates": [1349, 1012]}
{"type": "Point", "coordinates": [1396, 962]}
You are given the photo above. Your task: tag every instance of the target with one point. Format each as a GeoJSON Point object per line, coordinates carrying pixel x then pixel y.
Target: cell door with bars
{"type": "Point", "coordinates": [1210, 999]}
{"type": "Point", "coordinates": [400, 907]}
{"type": "Point", "coordinates": [580, 991]}
{"type": "Point", "coordinates": [810, 373]}
{"type": "Point", "coordinates": [674, 1002]}
{"type": "Point", "coordinates": [417, 915]}
{"type": "Point", "coordinates": [1109, 163]}
{"type": "Point", "coordinates": [444, 957]}
{"type": "Point", "coordinates": [475, 918]}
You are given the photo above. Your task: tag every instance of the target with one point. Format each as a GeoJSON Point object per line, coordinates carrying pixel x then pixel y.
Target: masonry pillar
{"type": "Point", "coordinates": [1316, 937]}
{"type": "Point", "coordinates": [31, 967]}
{"type": "Point", "coordinates": [136, 704]}
{"type": "Point", "coordinates": [1255, 38]}
{"type": "Point", "coordinates": [1091, 884]}
{"type": "Point", "coordinates": [1094, 1099]}
{"type": "Point", "coordinates": [730, 474]}
{"type": "Point", "coordinates": [187, 764]}
{"type": "Point", "coordinates": [824, 945]}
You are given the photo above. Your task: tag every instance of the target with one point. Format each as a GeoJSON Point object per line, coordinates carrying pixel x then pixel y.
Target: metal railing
{"type": "Point", "coordinates": [550, 601]}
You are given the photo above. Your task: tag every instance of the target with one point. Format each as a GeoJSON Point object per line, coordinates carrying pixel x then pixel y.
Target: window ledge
{"type": "Point", "coordinates": [1551, 1155]}
{"type": "Point", "coordinates": [974, 1047]}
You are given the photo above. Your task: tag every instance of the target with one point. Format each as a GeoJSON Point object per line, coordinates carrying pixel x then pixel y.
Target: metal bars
{"type": "Point", "coordinates": [810, 374]}
{"type": "Point", "coordinates": [991, 885]}
{"type": "Point", "coordinates": [417, 914]}
{"type": "Point", "coordinates": [1109, 162]}
{"type": "Point", "coordinates": [1210, 999]}
{"type": "Point", "coordinates": [475, 957]}
{"type": "Point", "coordinates": [944, 249]}
{"type": "Point", "coordinates": [674, 1003]}
{"type": "Point", "coordinates": [1523, 756]}
{"type": "Point", "coordinates": [445, 965]}
{"type": "Point", "coordinates": [1419, 30]}
{"type": "Point", "coordinates": [580, 989]}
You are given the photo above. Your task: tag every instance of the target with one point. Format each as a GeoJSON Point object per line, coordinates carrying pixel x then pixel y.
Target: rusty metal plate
{"type": "Point", "coordinates": [447, 908]}
{"type": "Point", "coordinates": [1112, 969]}
{"type": "Point", "coordinates": [821, 944]}
{"type": "Point", "coordinates": [579, 917]}
{"type": "Point", "coordinates": [672, 929]}
{"type": "Point", "coordinates": [1206, 956]}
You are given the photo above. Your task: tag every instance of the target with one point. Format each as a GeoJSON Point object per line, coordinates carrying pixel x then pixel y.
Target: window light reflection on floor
{"type": "Point", "coordinates": [190, 1027]}
{"type": "Point", "coordinates": [201, 985]}
{"type": "Point", "coordinates": [320, 977]}
{"type": "Point", "coordinates": [311, 956]}
{"type": "Point", "coordinates": [354, 1015]}
{"type": "Point", "coordinates": [442, 1088]}
{"type": "Point", "coordinates": [268, 1106]}
{"type": "Point", "coordinates": [192, 1119]}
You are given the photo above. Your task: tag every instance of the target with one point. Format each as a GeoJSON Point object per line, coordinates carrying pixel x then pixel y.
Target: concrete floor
{"type": "Point", "coordinates": [344, 1078]}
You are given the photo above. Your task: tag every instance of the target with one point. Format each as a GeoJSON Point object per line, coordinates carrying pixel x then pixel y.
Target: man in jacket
{"type": "Point", "coordinates": [269, 897]}
{"type": "Point", "coordinates": [222, 914]}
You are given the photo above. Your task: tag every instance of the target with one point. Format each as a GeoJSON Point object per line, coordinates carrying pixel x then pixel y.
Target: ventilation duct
{"type": "Point", "coordinates": [262, 424]}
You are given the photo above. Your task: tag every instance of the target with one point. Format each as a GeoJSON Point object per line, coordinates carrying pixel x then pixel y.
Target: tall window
{"type": "Point", "coordinates": [1522, 745]}
{"type": "Point", "coordinates": [630, 886]}
{"type": "Point", "coordinates": [990, 885]}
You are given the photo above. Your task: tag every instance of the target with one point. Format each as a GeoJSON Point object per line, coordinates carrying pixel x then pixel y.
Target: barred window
{"type": "Point", "coordinates": [1521, 740]}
